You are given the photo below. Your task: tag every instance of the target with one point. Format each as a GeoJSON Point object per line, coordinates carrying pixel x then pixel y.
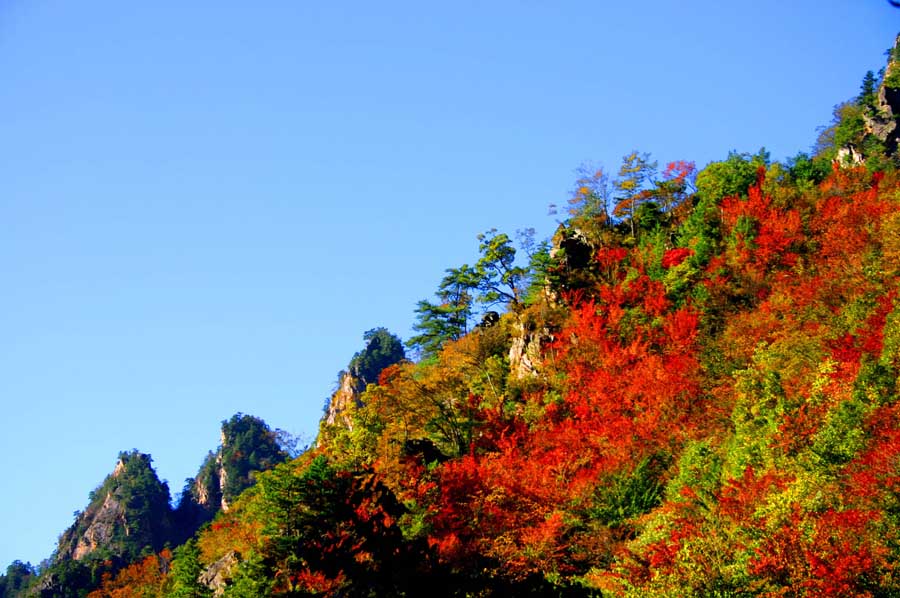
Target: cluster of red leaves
{"type": "Point", "coordinates": [776, 231]}
{"type": "Point", "coordinates": [632, 390]}
{"type": "Point", "coordinates": [674, 257]}
{"type": "Point", "coordinates": [143, 578]}
{"type": "Point", "coordinates": [834, 558]}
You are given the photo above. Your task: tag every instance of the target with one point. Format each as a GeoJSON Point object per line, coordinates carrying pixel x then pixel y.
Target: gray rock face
{"type": "Point", "coordinates": [100, 531]}
{"type": "Point", "coordinates": [129, 512]}
{"type": "Point", "coordinates": [217, 575]}
{"type": "Point", "coordinates": [883, 124]}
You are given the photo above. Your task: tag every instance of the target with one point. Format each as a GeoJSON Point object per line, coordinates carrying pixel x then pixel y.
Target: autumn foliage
{"type": "Point", "coordinates": [711, 411]}
{"type": "Point", "coordinates": [706, 406]}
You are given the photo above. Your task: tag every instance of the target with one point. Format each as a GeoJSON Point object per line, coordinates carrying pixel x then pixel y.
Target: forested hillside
{"type": "Point", "coordinates": [690, 390]}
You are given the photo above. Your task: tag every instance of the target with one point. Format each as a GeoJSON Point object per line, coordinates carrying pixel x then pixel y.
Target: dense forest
{"type": "Point", "coordinates": [691, 389]}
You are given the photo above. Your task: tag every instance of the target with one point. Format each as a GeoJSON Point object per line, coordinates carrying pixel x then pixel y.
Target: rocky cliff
{"type": "Point", "coordinates": [247, 446]}
{"type": "Point", "coordinates": [882, 122]}
{"type": "Point", "coordinates": [127, 513]}
{"type": "Point", "coordinates": [346, 397]}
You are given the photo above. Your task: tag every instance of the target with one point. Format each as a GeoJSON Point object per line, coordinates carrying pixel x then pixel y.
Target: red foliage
{"type": "Point", "coordinates": [673, 257]}
{"type": "Point", "coordinates": [868, 339]}
{"type": "Point", "coordinates": [140, 579]}
{"type": "Point", "coordinates": [610, 256]}
{"type": "Point", "coordinates": [837, 558]}
{"type": "Point", "coordinates": [679, 170]}
{"type": "Point", "coordinates": [775, 230]}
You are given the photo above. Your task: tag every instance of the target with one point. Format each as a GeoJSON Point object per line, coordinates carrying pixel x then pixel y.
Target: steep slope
{"type": "Point", "coordinates": [128, 513]}
{"type": "Point", "coordinates": [703, 400]}
{"type": "Point", "coordinates": [248, 446]}
{"type": "Point", "coordinates": [711, 410]}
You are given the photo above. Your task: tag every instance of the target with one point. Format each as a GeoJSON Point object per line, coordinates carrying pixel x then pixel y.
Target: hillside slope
{"type": "Point", "coordinates": [692, 391]}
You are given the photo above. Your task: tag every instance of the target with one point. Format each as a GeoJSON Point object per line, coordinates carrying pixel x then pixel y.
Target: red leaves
{"type": "Point", "coordinates": [763, 232]}
{"type": "Point", "coordinates": [868, 339]}
{"type": "Point", "coordinates": [674, 257]}
{"type": "Point", "coordinates": [836, 558]}
{"type": "Point", "coordinates": [681, 171]}
{"type": "Point", "coordinates": [608, 257]}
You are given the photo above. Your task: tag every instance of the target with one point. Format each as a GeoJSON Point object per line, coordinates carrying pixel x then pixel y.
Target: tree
{"type": "Point", "coordinates": [448, 319]}
{"type": "Point", "coordinates": [248, 446]}
{"type": "Point", "coordinates": [591, 197]}
{"type": "Point", "coordinates": [18, 576]}
{"type": "Point", "coordinates": [678, 181]}
{"type": "Point", "coordinates": [868, 94]}
{"type": "Point", "coordinates": [730, 177]}
{"type": "Point", "coordinates": [635, 172]}
{"type": "Point", "coordinates": [499, 279]}
{"type": "Point", "coordinates": [185, 573]}
{"type": "Point", "coordinates": [539, 264]}
{"type": "Point", "coordinates": [335, 533]}
{"type": "Point", "coordinates": [382, 349]}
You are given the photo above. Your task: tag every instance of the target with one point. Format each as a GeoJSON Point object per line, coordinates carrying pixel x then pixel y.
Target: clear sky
{"type": "Point", "coordinates": [203, 205]}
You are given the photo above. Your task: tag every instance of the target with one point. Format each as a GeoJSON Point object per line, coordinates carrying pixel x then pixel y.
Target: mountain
{"type": "Point", "coordinates": [693, 389]}
{"type": "Point", "coordinates": [247, 446]}
{"type": "Point", "coordinates": [129, 515]}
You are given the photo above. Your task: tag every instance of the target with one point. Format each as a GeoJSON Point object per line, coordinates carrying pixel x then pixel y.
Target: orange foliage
{"type": "Point", "coordinates": [139, 580]}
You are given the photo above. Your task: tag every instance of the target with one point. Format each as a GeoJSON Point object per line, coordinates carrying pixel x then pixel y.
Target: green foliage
{"type": "Point", "coordinates": [495, 279]}
{"type": "Point", "coordinates": [868, 94]}
{"type": "Point", "coordinates": [842, 434]}
{"type": "Point", "coordinates": [627, 496]}
{"type": "Point", "coordinates": [251, 579]}
{"type": "Point", "coordinates": [448, 319]}
{"type": "Point", "coordinates": [68, 579]}
{"type": "Point", "coordinates": [382, 349]}
{"type": "Point", "coordinates": [248, 446]}
{"type": "Point", "coordinates": [757, 412]}
{"type": "Point", "coordinates": [185, 573]}
{"type": "Point", "coordinates": [892, 73]}
{"type": "Point", "coordinates": [18, 577]}
{"type": "Point", "coordinates": [806, 171]}
{"type": "Point", "coordinates": [499, 279]}
{"type": "Point", "coordinates": [730, 177]}
{"type": "Point", "coordinates": [698, 470]}
{"type": "Point", "coordinates": [539, 265]}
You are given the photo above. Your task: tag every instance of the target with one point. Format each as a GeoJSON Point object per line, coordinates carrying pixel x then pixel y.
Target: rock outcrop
{"type": "Point", "coordinates": [882, 121]}
{"type": "Point", "coordinates": [344, 399]}
{"type": "Point", "coordinates": [217, 575]}
{"type": "Point", "coordinates": [247, 446]}
{"type": "Point", "coordinates": [526, 349]}
{"type": "Point", "coordinates": [129, 512]}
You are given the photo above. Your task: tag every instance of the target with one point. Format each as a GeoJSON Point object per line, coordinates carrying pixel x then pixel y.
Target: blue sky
{"type": "Point", "coordinates": [203, 205]}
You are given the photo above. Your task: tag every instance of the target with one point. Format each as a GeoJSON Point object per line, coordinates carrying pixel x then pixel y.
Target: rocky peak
{"type": "Point", "coordinates": [344, 399]}
{"type": "Point", "coordinates": [128, 512]}
{"type": "Point", "coordinates": [882, 122]}
{"type": "Point", "coordinates": [247, 446]}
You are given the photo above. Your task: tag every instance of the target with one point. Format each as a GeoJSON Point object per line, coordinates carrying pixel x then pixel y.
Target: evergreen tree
{"type": "Point", "coordinates": [185, 574]}
{"type": "Point", "coordinates": [448, 319]}
{"type": "Point", "coordinates": [382, 349]}
{"type": "Point", "coordinates": [248, 446]}
{"type": "Point", "coordinates": [499, 279]}
{"type": "Point", "coordinates": [868, 97]}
